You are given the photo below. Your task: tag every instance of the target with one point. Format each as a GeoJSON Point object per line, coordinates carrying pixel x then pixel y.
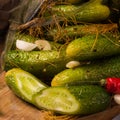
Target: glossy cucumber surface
{"type": "Point", "coordinates": [82, 100]}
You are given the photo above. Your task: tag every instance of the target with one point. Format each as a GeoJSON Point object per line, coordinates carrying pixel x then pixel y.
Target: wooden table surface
{"type": "Point", "coordinates": [13, 108]}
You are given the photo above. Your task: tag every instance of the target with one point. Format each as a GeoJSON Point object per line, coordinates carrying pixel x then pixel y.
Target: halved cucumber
{"type": "Point", "coordinates": [73, 100]}
{"type": "Point", "coordinates": [57, 99]}
{"type": "Point", "coordinates": [23, 84]}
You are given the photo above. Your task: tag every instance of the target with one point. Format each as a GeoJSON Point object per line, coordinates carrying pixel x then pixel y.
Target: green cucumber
{"type": "Point", "coordinates": [91, 11]}
{"type": "Point", "coordinates": [23, 84]}
{"type": "Point", "coordinates": [73, 100]}
{"type": "Point", "coordinates": [43, 64]}
{"type": "Point", "coordinates": [25, 37]}
{"type": "Point", "coordinates": [73, 32]}
{"type": "Point", "coordinates": [90, 73]}
{"type": "Point", "coordinates": [94, 46]}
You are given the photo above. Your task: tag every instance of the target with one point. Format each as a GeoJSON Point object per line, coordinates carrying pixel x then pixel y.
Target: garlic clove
{"type": "Point", "coordinates": [25, 46]}
{"type": "Point", "coordinates": [117, 98]}
{"type": "Point", "coordinates": [43, 44]}
{"type": "Point", "coordinates": [72, 64]}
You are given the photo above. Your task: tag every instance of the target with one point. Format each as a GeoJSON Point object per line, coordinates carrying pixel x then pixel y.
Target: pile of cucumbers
{"type": "Point", "coordinates": [83, 51]}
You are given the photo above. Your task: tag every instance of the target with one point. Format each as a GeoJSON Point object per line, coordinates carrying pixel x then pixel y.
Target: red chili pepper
{"type": "Point", "coordinates": [112, 85]}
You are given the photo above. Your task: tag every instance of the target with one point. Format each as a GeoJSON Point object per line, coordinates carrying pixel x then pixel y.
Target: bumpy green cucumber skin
{"type": "Point", "coordinates": [25, 37]}
{"type": "Point", "coordinates": [89, 74]}
{"type": "Point", "coordinates": [43, 64]}
{"type": "Point", "coordinates": [91, 11]}
{"type": "Point", "coordinates": [92, 98]}
{"type": "Point", "coordinates": [23, 84]}
{"type": "Point", "coordinates": [73, 100]}
{"type": "Point", "coordinates": [93, 46]}
{"type": "Point", "coordinates": [64, 12]}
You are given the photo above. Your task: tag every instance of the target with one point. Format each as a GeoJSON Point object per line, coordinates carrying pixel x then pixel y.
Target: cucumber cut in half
{"type": "Point", "coordinates": [57, 99]}
{"type": "Point", "coordinates": [23, 84]}
{"type": "Point", "coordinates": [73, 100]}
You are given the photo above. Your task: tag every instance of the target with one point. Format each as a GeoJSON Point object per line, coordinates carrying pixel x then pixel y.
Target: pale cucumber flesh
{"type": "Point", "coordinates": [23, 83]}
{"type": "Point", "coordinates": [57, 99]}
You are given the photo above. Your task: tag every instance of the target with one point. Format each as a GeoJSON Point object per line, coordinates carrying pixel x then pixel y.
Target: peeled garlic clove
{"type": "Point", "coordinates": [117, 98]}
{"type": "Point", "coordinates": [72, 64]}
{"type": "Point", "coordinates": [43, 44]}
{"type": "Point", "coordinates": [25, 46]}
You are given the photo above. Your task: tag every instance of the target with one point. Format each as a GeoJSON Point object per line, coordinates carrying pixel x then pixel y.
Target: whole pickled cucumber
{"type": "Point", "coordinates": [76, 31]}
{"type": "Point", "coordinates": [43, 64]}
{"type": "Point", "coordinates": [94, 46]}
{"type": "Point", "coordinates": [73, 100]}
{"type": "Point", "coordinates": [91, 11]}
{"type": "Point", "coordinates": [90, 73]}
{"type": "Point", "coordinates": [23, 84]}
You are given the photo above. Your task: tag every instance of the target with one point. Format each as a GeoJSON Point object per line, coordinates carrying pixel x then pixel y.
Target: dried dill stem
{"type": "Point", "coordinates": [30, 23]}
{"type": "Point", "coordinates": [81, 30]}
{"type": "Point", "coordinates": [59, 33]}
